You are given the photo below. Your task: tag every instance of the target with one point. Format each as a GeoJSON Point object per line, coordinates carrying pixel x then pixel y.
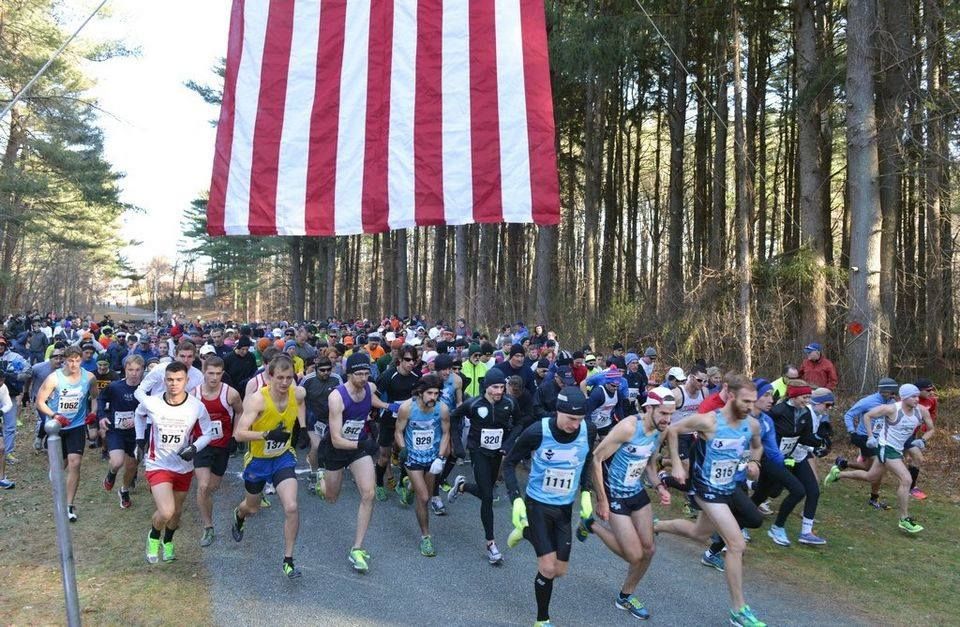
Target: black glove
{"type": "Point", "coordinates": [138, 452]}
{"type": "Point", "coordinates": [303, 439]}
{"type": "Point", "coordinates": [370, 447]}
{"type": "Point", "coordinates": [277, 435]}
{"type": "Point", "coordinates": [232, 446]}
{"type": "Point", "coordinates": [187, 453]}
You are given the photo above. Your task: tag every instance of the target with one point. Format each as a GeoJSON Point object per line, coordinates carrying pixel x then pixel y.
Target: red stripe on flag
{"type": "Point", "coordinates": [268, 130]}
{"type": "Point", "coordinates": [224, 147]}
{"type": "Point", "coordinates": [325, 121]}
{"type": "Point", "coordinates": [375, 205]}
{"type": "Point", "coordinates": [544, 184]}
{"type": "Point", "coordinates": [428, 115]}
{"type": "Point", "coordinates": [484, 113]}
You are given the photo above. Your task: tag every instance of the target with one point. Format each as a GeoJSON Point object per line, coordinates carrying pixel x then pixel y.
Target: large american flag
{"type": "Point", "coordinates": [358, 116]}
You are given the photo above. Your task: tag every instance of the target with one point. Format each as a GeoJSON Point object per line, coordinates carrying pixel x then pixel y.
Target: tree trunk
{"type": "Point", "coordinates": [935, 153]}
{"type": "Point", "coordinates": [677, 107]}
{"type": "Point", "coordinates": [718, 225]}
{"type": "Point", "coordinates": [295, 245]}
{"type": "Point", "coordinates": [814, 318]}
{"type": "Point", "coordinates": [867, 353]}
{"type": "Point", "coordinates": [744, 203]}
{"type": "Point", "coordinates": [546, 238]}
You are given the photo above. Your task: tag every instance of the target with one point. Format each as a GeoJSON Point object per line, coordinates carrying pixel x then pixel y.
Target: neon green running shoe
{"type": "Point", "coordinates": [264, 501]}
{"type": "Point", "coordinates": [381, 493]}
{"type": "Point", "coordinates": [291, 571]}
{"type": "Point", "coordinates": [359, 557]}
{"type": "Point", "coordinates": [405, 492]}
{"type": "Point", "coordinates": [319, 486]}
{"type": "Point", "coordinates": [746, 618]}
{"type": "Point", "coordinates": [168, 552]}
{"type": "Point", "coordinates": [543, 623]}
{"type": "Point", "coordinates": [909, 526]}
{"type": "Point", "coordinates": [426, 547]}
{"type": "Point", "coordinates": [153, 550]}
{"type": "Point", "coordinates": [832, 476]}
{"type": "Point", "coordinates": [516, 535]}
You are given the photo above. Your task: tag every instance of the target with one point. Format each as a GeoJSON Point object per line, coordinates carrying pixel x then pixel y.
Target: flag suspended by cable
{"type": "Point", "coordinates": [350, 116]}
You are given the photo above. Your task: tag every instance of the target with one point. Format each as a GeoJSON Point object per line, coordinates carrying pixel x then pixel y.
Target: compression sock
{"type": "Point", "coordinates": [168, 534]}
{"type": "Point", "coordinates": [623, 596]}
{"type": "Point", "coordinates": [111, 476]}
{"type": "Point", "coordinates": [914, 473]}
{"type": "Point", "coordinates": [288, 560]}
{"type": "Point", "coordinates": [154, 533]}
{"type": "Point", "coordinates": [543, 588]}
{"type": "Point", "coordinates": [379, 471]}
{"type": "Point", "coordinates": [806, 526]}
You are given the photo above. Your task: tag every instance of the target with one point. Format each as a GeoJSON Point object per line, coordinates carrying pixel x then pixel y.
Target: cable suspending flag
{"type": "Point", "coordinates": [359, 116]}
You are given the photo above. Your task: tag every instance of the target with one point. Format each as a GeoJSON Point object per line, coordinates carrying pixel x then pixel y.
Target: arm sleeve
{"type": "Point", "coordinates": [853, 414]}
{"type": "Point", "coordinates": [146, 385]}
{"type": "Point", "coordinates": [103, 401]}
{"type": "Point", "coordinates": [140, 421]}
{"type": "Point", "coordinates": [528, 442]}
{"type": "Point", "coordinates": [203, 419]}
{"type": "Point", "coordinates": [769, 440]}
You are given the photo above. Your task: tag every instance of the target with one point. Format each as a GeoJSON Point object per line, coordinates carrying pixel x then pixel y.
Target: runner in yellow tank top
{"type": "Point", "coordinates": [267, 424]}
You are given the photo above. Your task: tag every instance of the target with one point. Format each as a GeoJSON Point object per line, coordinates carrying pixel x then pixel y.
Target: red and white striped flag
{"type": "Point", "coordinates": [358, 116]}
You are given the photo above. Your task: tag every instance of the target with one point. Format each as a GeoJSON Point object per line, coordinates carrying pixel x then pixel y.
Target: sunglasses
{"type": "Point", "coordinates": [53, 355]}
{"type": "Point", "coordinates": [410, 359]}
{"type": "Point", "coordinates": [701, 380]}
{"type": "Point", "coordinates": [456, 368]}
{"type": "Point", "coordinates": [324, 369]}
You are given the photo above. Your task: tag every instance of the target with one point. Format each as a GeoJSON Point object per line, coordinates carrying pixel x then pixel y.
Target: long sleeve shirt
{"type": "Point", "coordinates": [530, 440]}
{"type": "Point", "coordinates": [853, 419]}
{"type": "Point", "coordinates": [819, 374]}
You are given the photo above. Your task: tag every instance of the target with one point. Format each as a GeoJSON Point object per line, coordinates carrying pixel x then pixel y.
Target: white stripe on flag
{"type": "Point", "coordinates": [351, 135]}
{"type": "Point", "coordinates": [237, 202]}
{"type": "Point", "coordinates": [457, 151]}
{"type": "Point", "coordinates": [295, 140]}
{"type": "Point", "coordinates": [403, 87]}
{"type": "Point", "coordinates": [512, 107]}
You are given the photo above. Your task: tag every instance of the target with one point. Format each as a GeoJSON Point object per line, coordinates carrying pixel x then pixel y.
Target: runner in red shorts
{"type": "Point", "coordinates": [169, 460]}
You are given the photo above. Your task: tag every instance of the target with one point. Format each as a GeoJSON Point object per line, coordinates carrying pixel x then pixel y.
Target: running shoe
{"type": "Point", "coordinates": [169, 554]}
{"type": "Point", "coordinates": [584, 529]}
{"type": "Point", "coordinates": [908, 525]}
{"type": "Point", "coordinates": [918, 494]}
{"type": "Point", "coordinates": [778, 535]}
{"type": "Point", "coordinates": [426, 547]}
{"type": "Point", "coordinates": [71, 513]}
{"type": "Point", "coordinates": [124, 499]}
{"type": "Point", "coordinates": [291, 571]}
{"type": "Point", "coordinates": [311, 477]}
{"type": "Point", "coordinates": [765, 509]}
{"type": "Point", "coordinates": [108, 482]}
{"type": "Point", "coordinates": [745, 617]}
{"type": "Point", "coordinates": [269, 489]}
{"type": "Point", "coordinates": [543, 623]}
{"type": "Point", "coordinates": [840, 463]}
{"type": "Point", "coordinates": [810, 539]}
{"type": "Point", "coordinates": [264, 501]}
{"type": "Point", "coordinates": [713, 560]}
{"type": "Point", "coordinates": [633, 605]}
{"type": "Point", "coordinates": [832, 476]}
{"type": "Point", "coordinates": [391, 482]}
{"type": "Point", "coordinates": [12, 459]}
{"type": "Point", "coordinates": [207, 538]}
{"type": "Point", "coordinates": [445, 487]}
{"type": "Point", "coordinates": [493, 554]}
{"type": "Point", "coordinates": [689, 511]}
{"type": "Point", "coordinates": [359, 557]}
{"type": "Point", "coordinates": [516, 535]}
{"type": "Point", "coordinates": [37, 444]}
{"type": "Point", "coordinates": [153, 550]}
{"type": "Point", "coordinates": [404, 491]}
{"type": "Point", "coordinates": [746, 535]}
{"type": "Point", "coordinates": [436, 505]}
{"type": "Point", "coordinates": [381, 493]}
{"type": "Point", "coordinates": [319, 487]}
{"type": "Point", "coordinates": [456, 489]}
{"type": "Point", "coordinates": [878, 504]}
{"type": "Point", "coordinates": [237, 530]}
{"type": "Point", "coordinates": [6, 484]}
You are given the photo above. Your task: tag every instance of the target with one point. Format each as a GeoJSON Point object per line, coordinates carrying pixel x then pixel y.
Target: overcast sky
{"type": "Point", "coordinates": [156, 130]}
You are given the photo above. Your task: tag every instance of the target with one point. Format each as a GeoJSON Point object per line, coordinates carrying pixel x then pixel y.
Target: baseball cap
{"type": "Point", "coordinates": [571, 400]}
{"type": "Point", "coordinates": [589, 358]}
{"type": "Point", "coordinates": [207, 349]}
{"type": "Point", "coordinates": [659, 396]}
{"type": "Point", "coordinates": [677, 373]}
{"type": "Point", "coordinates": [908, 389]}
{"type": "Point", "coordinates": [812, 346]}
{"type": "Point", "coordinates": [277, 333]}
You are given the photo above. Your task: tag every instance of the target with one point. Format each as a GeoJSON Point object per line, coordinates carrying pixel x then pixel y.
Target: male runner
{"type": "Point", "coordinates": [619, 462]}
{"type": "Point", "coordinates": [856, 428]}
{"type": "Point", "coordinates": [727, 437]}
{"type": "Point", "coordinates": [492, 417]}
{"type": "Point", "coordinates": [396, 385]}
{"type": "Point", "coordinates": [70, 396]}
{"type": "Point", "coordinates": [899, 422]}
{"type": "Point", "coordinates": [222, 403]}
{"type": "Point", "coordinates": [423, 439]}
{"type": "Point", "coordinates": [267, 424]}
{"type": "Point", "coordinates": [351, 446]}
{"type": "Point", "coordinates": [318, 385]}
{"type": "Point", "coordinates": [560, 448]}
{"type": "Point", "coordinates": [169, 459]}
{"type": "Point", "coordinates": [118, 407]}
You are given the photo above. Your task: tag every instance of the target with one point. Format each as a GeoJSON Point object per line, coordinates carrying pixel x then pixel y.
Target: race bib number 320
{"type": "Point", "coordinates": [491, 439]}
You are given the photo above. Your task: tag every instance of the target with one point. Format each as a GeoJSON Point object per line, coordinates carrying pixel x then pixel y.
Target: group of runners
{"type": "Point", "coordinates": [399, 402]}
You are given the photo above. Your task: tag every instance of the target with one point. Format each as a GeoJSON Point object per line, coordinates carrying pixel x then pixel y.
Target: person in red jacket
{"type": "Point", "coordinates": [817, 370]}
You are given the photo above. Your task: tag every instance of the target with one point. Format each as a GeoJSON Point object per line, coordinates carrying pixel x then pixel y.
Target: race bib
{"type": "Point", "coordinates": [633, 393]}
{"type": "Point", "coordinates": [272, 449]}
{"type": "Point", "coordinates": [491, 439]}
{"type": "Point", "coordinates": [123, 419]}
{"type": "Point", "coordinates": [69, 403]}
{"type": "Point", "coordinates": [634, 472]}
{"type": "Point", "coordinates": [320, 429]}
{"type": "Point", "coordinates": [722, 472]}
{"type": "Point", "coordinates": [422, 439]}
{"type": "Point", "coordinates": [558, 481]}
{"type": "Point", "coordinates": [788, 444]}
{"type": "Point", "coordinates": [170, 438]}
{"type": "Point", "coordinates": [351, 429]}
{"type": "Point", "coordinates": [601, 421]}
{"type": "Point", "coordinates": [216, 429]}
